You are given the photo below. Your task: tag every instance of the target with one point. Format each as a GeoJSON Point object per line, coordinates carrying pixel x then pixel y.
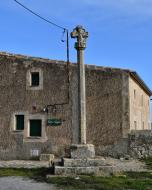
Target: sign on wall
{"type": "Point", "coordinates": [54, 122]}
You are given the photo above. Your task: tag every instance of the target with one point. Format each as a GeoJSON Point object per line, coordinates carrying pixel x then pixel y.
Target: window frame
{"type": "Point", "coordinates": [29, 85]}
{"type": "Point", "coordinates": [143, 125]}
{"type": "Point", "coordinates": [134, 94]}
{"type": "Point", "coordinates": [13, 121]}
{"type": "Point", "coordinates": [15, 126]}
{"type": "Point", "coordinates": [33, 80]}
{"type": "Point", "coordinates": [142, 100]}
{"type": "Point", "coordinates": [31, 136]}
{"type": "Point", "coordinates": [135, 125]}
{"type": "Point", "coordinates": [43, 137]}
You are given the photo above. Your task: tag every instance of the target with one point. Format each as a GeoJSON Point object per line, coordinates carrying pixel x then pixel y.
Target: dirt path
{"type": "Point", "coordinates": [127, 165]}
{"type": "Point", "coordinates": [19, 183]}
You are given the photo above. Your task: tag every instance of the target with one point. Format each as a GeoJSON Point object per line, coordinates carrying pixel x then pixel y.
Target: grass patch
{"type": "Point", "coordinates": [34, 173]}
{"type": "Point", "coordinates": [102, 183]}
{"type": "Point", "coordinates": [139, 175]}
{"type": "Point", "coordinates": [130, 180]}
{"type": "Point", "coordinates": [148, 162]}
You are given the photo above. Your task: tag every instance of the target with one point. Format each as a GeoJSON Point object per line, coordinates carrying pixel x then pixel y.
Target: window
{"type": "Point", "coordinates": [135, 125]}
{"type": "Point", "coordinates": [35, 128]}
{"type": "Point", "coordinates": [143, 125]}
{"type": "Point", "coordinates": [35, 80]}
{"type": "Point", "coordinates": [148, 103]}
{"type": "Point", "coordinates": [134, 94]}
{"type": "Point", "coordinates": [19, 122]}
{"type": "Point", "coordinates": [142, 100]}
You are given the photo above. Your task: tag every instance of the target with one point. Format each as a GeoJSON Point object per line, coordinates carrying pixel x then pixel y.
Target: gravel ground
{"type": "Point", "coordinates": [19, 183]}
{"type": "Point", "coordinates": [121, 164]}
{"type": "Point", "coordinates": [23, 164]}
{"type": "Point", "coordinates": [127, 165]}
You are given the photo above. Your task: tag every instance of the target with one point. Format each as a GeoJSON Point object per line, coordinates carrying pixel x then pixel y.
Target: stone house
{"type": "Point", "coordinates": [38, 107]}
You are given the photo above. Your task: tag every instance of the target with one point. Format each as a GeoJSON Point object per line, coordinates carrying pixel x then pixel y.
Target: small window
{"type": "Point", "coordinates": [135, 125]}
{"type": "Point", "coordinates": [148, 103]}
{"type": "Point", "coordinates": [134, 94]}
{"type": "Point", "coordinates": [142, 100]}
{"type": "Point", "coordinates": [35, 128]}
{"type": "Point", "coordinates": [35, 79]}
{"type": "Point", "coordinates": [19, 122]}
{"type": "Point", "coordinates": [143, 125]}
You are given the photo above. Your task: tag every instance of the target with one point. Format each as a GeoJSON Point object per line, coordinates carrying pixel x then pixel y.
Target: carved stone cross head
{"type": "Point", "coordinates": [81, 35]}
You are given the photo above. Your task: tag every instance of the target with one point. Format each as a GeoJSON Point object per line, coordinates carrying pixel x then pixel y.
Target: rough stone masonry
{"type": "Point", "coordinates": [108, 119]}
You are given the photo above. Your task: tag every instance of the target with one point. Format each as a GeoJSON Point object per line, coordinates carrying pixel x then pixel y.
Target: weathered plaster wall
{"type": "Point", "coordinates": [139, 107]}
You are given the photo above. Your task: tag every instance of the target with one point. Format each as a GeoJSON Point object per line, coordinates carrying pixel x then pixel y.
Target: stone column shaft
{"type": "Point", "coordinates": [81, 150]}
{"type": "Point", "coordinates": [81, 96]}
{"type": "Point", "coordinates": [81, 35]}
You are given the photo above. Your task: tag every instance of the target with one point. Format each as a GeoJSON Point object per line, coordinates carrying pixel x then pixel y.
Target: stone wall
{"type": "Point", "coordinates": [107, 94]}
{"type": "Point", "coordinates": [140, 144]}
{"type": "Point", "coordinates": [104, 88]}
{"type": "Point", "coordinates": [15, 97]}
{"type": "Point", "coordinates": [107, 109]}
{"type": "Point", "coordinates": [139, 107]}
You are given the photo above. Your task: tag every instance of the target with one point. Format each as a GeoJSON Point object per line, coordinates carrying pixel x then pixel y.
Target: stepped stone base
{"type": "Point", "coordinates": [82, 151]}
{"type": "Point", "coordinates": [84, 162]}
{"type": "Point", "coordinates": [96, 166]}
{"type": "Point", "coordinates": [96, 170]}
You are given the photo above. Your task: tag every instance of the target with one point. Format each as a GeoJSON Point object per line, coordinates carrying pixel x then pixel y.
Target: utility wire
{"type": "Point", "coordinates": [67, 41]}
{"type": "Point", "coordinates": [36, 14]}
{"type": "Point", "coordinates": [50, 22]}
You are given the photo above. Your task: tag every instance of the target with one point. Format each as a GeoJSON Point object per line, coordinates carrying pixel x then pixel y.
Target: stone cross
{"type": "Point", "coordinates": [81, 35]}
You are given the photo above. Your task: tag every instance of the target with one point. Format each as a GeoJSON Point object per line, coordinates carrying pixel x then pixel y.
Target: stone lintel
{"type": "Point", "coordinates": [82, 151]}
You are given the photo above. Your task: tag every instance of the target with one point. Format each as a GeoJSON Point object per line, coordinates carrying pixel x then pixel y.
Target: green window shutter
{"type": "Point", "coordinates": [35, 128]}
{"type": "Point", "coordinates": [19, 122]}
{"type": "Point", "coordinates": [35, 79]}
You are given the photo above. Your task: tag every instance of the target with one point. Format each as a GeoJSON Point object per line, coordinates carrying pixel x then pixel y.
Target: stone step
{"type": "Point", "coordinates": [97, 170]}
{"type": "Point", "coordinates": [83, 162]}
{"type": "Point", "coordinates": [58, 162]}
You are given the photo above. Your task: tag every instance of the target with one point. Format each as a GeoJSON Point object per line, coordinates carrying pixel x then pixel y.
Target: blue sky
{"type": "Point", "coordinates": [120, 31]}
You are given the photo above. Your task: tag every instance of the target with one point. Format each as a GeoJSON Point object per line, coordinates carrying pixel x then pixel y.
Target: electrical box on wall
{"type": "Point", "coordinates": [34, 152]}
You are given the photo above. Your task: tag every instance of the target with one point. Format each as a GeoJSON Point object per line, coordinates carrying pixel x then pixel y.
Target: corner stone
{"type": "Point", "coordinates": [82, 151]}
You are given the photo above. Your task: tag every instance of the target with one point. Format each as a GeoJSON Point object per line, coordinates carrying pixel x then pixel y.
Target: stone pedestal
{"type": "Point", "coordinates": [82, 151]}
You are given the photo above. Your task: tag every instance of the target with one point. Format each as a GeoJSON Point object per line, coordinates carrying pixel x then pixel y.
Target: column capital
{"type": "Point", "coordinates": [81, 35]}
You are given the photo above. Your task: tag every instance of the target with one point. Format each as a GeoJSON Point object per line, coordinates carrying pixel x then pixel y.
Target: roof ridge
{"type": "Point", "coordinates": [30, 57]}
